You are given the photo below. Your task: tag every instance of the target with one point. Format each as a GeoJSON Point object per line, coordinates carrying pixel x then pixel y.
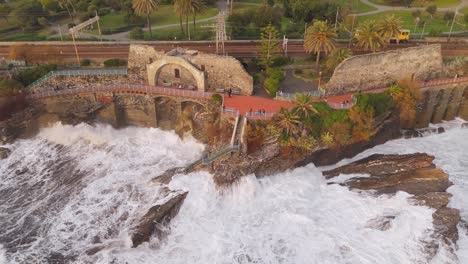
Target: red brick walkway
{"type": "Point", "coordinates": [251, 103]}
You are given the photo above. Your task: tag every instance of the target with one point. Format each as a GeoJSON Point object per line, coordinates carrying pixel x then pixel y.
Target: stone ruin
{"type": "Point", "coordinates": [382, 69]}
{"type": "Point", "coordinates": [202, 71]}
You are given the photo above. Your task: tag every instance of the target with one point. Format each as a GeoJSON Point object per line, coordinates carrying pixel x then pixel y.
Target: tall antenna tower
{"type": "Point", "coordinates": [220, 29]}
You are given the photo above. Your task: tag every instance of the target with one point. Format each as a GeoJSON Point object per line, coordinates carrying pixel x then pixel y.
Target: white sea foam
{"type": "Point", "coordinates": [291, 217]}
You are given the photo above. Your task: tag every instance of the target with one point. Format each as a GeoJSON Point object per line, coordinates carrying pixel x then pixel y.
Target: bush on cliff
{"type": "Point", "coordinates": [273, 80]}
{"type": "Point", "coordinates": [217, 98]}
{"type": "Point", "coordinates": [28, 76]}
{"type": "Point", "coordinates": [115, 63]}
{"type": "Point", "coordinates": [9, 87]}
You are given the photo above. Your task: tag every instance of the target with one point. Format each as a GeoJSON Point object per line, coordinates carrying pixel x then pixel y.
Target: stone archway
{"type": "Point", "coordinates": [153, 70]}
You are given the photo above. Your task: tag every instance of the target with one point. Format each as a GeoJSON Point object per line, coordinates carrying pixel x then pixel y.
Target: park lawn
{"type": "Point", "coordinates": [416, 3]}
{"type": "Point", "coordinates": [174, 33]}
{"type": "Point", "coordinates": [357, 6]}
{"type": "Point", "coordinates": [164, 16]}
{"type": "Point", "coordinates": [438, 3]}
{"type": "Point", "coordinates": [464, 10]}
{"type": "Point", "coordinates": [242, 7]}
{"type": "Point", "coordinates": [437, 23]}
{"type": "Point", "coordinates": [251, 1]}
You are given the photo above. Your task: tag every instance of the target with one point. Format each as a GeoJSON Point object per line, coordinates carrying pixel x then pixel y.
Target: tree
{"type": "Point", "coordinates": [389, 27]}
{"type": "Point", "coordinates": [196, 7]}
{"type": "Point", "coordinates": [448, 16]}
{"type": "Point", "coordinates": [319, 37]}
{"type": "Point", "coordinates": [182, 9]}
{"type": "Point", "coordinates": [5, 9]}
{"type": "Point", "coordinates": [303, 105]}
{"type": "Point", "coordinates": [287, 121]}
{"type": "Point", "coordinates": [363, 123]}
{"type": "Point", "coordinates": [27, 7]}
{"type": "Point", "coordinates": [368, 37]}
{"type": "Point", "coordinates": [269, 45]}
{"type": "Point", "coordinates": [145, 8]}
{"type": "Point", "coordinates": [406, 95]}
{"type": "Point", "coordinates": [432, 9]}
{"type": "Point", "coordinates": [337, 56]}
{"type": "Point", "coordinates": [66, 4]}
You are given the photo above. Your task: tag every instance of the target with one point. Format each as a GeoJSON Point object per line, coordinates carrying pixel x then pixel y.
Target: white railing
{"type": "Point", "coordinates": [77, 73]}
{"type": "Point", "coordinates": [291, 96]}
{"type": "Point", "coordinates": [125, 87]}
{"type": "Point", "coordinates": [259, 115]}
{"type": "Point", "coordinates": [231, 111]}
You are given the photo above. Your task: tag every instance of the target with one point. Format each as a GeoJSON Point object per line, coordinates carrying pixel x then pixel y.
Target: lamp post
{"type": "Point", "coordinates": [320, 79]}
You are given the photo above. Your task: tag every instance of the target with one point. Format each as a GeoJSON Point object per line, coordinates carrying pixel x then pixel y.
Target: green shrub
{"type": "Point", "coordinates": [104, 11]}
{"type": "Point", "coordinates": [435, 33]}
{"type": "Point", "coordinates": [115, 62]}
{"type": "Point", "coordinates": [279, 61]}
{"type": "Point", "coordinates": [217, 98]}
{"type": "Point", "coordinates": [85, 62]}
{"type": "Point", "coordinates": [379, 102]}
{"type": "Point", "coordinates": [28, 76]}
{"type": "Point", "coordinates": [272, 82]}
{"type": "Point", "coordinates": [136, 33]}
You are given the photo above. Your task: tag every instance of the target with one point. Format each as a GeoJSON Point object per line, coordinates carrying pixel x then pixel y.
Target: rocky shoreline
{"type": "Point", "coordinates": [415, 174]}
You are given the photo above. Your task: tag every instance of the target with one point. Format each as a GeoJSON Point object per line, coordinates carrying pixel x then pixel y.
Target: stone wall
{"type": "Point", "coordinates": [219, 71]}
{"type": "Point", "coordinates": [167, 74]}
{"type": "Point", "coordinates": [378, 70]}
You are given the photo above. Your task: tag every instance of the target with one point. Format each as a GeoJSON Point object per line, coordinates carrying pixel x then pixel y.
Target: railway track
{"type": "Point", "coordinates": [244, 49]}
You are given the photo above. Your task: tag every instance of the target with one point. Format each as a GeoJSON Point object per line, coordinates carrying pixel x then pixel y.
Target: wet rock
{"type": "Point", "coordinates": [94, 250]}
{"type": "Point", "coordinates": [157, 217]}
{"type": "Point", "coordinates": [434, 199]}
{"type": "Point", "coordinates": [383, 165]}
{"type": "Point", "coordinates": [464, 125]}
{"type": "Point", "coordinates": [445, 223]}
{"type": "Point", "coordinates": [422, 132]}
{"type": "Point", "coordinates": [414, 174]}
{"type": "Point", "coordinates": [381, 223]}
{"type": "Point", "coordinates": [4, 153]}
{"type": "Point", "coordinates": [166, 177]}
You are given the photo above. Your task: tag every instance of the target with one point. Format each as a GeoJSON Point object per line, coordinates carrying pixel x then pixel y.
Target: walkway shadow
{"type": "Point", "coordinates": [292, 84]}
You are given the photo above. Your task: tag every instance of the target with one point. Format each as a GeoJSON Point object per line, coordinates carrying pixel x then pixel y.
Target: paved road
{"type": "Point", "coordinates": [384, 8]}
{"type": "Point", "coordinates": [291, 84]}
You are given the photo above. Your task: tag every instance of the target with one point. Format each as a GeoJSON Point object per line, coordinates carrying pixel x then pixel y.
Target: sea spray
{"type": "Point", "coordinates": [292, 217]}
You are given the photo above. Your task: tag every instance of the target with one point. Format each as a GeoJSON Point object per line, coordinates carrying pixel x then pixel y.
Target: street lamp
{"type": "Point", "coordinates": [320, 78]}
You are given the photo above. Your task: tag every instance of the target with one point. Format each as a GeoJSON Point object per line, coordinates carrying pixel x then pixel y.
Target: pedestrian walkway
{"type": "Point", "coordinates": [252, 104]}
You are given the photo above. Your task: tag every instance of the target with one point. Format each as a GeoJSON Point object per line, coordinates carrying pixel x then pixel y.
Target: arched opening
{"type": "Point", "coordinates": [175, 75]}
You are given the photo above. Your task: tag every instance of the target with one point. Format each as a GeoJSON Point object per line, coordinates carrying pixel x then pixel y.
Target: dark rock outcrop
{"type": "Point", "coordinates": [4, 153]}
{"type": "Point", "coordinates": [157, 217]}
{"type": "Point", "coordinates": [414, 174]}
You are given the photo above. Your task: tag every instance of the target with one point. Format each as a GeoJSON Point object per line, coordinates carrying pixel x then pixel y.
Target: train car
{"type": "Point", "coordinates": [403, 37]}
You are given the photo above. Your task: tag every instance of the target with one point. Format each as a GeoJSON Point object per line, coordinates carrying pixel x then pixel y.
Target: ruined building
{"type": "Point", "coordinates": [201, 71]}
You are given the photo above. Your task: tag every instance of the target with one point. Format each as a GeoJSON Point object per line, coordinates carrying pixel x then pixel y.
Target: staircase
{"type": "Point", "coordinates": [238, 130]}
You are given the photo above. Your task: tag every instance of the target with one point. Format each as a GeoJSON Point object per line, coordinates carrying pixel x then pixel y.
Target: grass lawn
{"type": "Point", "coordinates": [463, 10]}
{"type": "Point", "coordinates": [164, 16]}
{"type": "Point", "coordinates": [251, 1]}
{"type": "Point", "coordinates": [357, 6]}
{"type": "Point", "coordinates": [436, 23]}
{"type": "Point", "coordinates": [174, 33]}
{"type": "Point", "coordinates": [420, 3]}
{"type": "Point", "coordinates": [241, 7]}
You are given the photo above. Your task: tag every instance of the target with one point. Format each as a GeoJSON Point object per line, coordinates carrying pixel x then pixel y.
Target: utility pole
{"type": "Point", "coordinates": [60, 32]}
{"type": "Point", "coordinates": [285, 45]}
{"type": "Point", "coordinates": [451, 27]}
{"type": "Point", "coordinates": [336, 17]}
{"type": "Point", "coordinates": [220, 29]}
{"type": "Point", "coordinates": [424, 27]}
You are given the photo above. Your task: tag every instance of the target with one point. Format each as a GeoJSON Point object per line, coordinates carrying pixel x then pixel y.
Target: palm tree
{"type": "Point", "coordinates": [368, 37]}
{"type": "Point", "coordinates": [145, 8]}
{"type": "Point", "coordinates": [319, 37]}
{"type": "Point", "coordinates": [288, 121]}
{"type": "Point", "coordinates": [303, 105]}
{"type": "Point", "coordinates": [389, 27]}
{"type": "Point", "coordinates": [196, 7]}
{"type": "Point", "coordinates": [337, 56]}
{"type": "Point", "coordinates": [182, 9]}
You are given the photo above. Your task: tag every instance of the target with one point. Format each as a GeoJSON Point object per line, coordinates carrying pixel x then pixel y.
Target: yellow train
{"type": "Point", "coordinates": [404, 36]}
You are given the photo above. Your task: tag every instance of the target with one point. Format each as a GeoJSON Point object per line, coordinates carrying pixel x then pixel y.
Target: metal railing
{"type": "Point", "coordinates": [124, 88]}
{"type": "Point", "coordinates": [231, 111]}
{"type": "Point", "coordinates": [213, 156]}
{"type": "Point", "coordinates": [77, 73]}
{"type": "Point", "coordinates": [259, 115]}
{"type": "Point", "coordinates": [444, 81]}
{"type": "Point", "coordinates": [291, 96]}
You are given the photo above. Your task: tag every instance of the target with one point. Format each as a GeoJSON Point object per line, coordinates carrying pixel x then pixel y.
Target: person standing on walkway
{"type": "Point", "coordinates": [229, 92]}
